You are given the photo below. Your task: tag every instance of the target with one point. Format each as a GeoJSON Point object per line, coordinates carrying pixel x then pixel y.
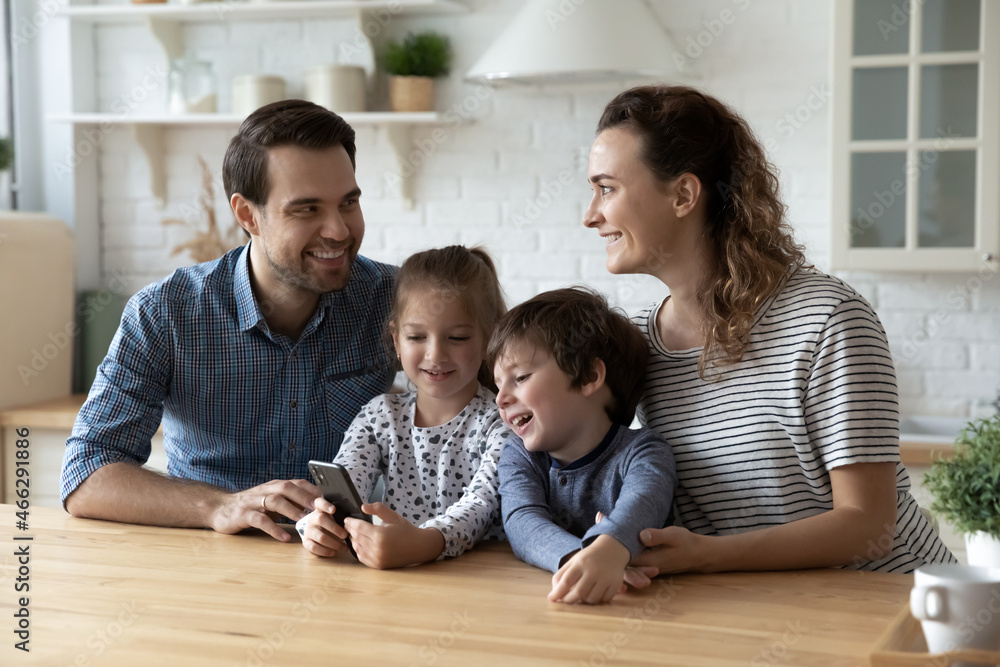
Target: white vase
{"type": "Point", "coordinates": [982, 549]}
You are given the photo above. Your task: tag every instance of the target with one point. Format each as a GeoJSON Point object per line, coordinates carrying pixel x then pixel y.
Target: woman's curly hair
{"type": "Point", "coordinates": [686, 131]}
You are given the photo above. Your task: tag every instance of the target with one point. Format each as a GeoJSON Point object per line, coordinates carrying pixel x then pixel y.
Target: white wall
{"type": "Point", "coordinates": [499, 178]}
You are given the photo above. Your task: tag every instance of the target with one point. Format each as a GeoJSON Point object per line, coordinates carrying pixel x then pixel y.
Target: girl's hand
{"type": "Point", "coordinates": [321, 535]}
{"type": "Point", "coordinates": [674, 549]}
{"type": "Point", "coordinates": [394, 543]}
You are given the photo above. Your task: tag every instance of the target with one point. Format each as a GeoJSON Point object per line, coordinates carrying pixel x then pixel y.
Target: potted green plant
{"type": "Point", "coordinates": [413, 64]}
{"type": "Point", "coordinates": [966, 489]}
{"type": "Point", "coordinates": [6, 153]}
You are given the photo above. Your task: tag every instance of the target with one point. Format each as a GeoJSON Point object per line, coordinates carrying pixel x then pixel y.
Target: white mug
{"type": "Point", "coordinates": [339, 88]}
{"type": "Point", "coordinates": [958, 607]}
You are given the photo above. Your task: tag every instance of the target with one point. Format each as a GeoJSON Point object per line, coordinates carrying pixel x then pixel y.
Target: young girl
{"type": "Point", "coordinates": [438, 445]}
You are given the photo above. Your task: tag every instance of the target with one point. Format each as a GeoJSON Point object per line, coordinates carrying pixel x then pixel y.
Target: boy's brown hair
{"type": "Point", "coordinates": [576, 326]}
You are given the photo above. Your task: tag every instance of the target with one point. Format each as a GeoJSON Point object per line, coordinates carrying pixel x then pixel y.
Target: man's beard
{"type": "Point", "coordinates": [303, 280]}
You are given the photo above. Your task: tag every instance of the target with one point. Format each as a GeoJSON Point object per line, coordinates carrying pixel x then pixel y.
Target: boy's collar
{"type": "Point", "coordinates": [589, 458]}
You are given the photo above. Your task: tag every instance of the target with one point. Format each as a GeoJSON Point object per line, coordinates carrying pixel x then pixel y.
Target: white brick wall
{"type": "Point", "coordinates": [493, 181]}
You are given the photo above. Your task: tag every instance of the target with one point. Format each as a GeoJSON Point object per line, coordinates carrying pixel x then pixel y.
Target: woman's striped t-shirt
{"type": "Point", "coordinates": [754, 441]}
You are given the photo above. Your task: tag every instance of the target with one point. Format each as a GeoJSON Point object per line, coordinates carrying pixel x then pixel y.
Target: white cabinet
{"type": "Point", "coordinates": [916, 135]}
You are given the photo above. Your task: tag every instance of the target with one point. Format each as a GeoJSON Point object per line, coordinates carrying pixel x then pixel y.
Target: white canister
{"type": "Point", "coordinates": [339, 88]}
{"type": "Point", "coordinates": [252, 91]}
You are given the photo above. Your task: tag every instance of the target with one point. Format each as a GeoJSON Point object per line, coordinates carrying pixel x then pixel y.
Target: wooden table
{"type": "Point", "coordinates": [112, 594]}
{"type": "Point", "coordinates": [58, 415]}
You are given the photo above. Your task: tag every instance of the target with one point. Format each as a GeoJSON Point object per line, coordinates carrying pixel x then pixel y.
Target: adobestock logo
{"type": "Point", "coordinates": [28, 28]}
{"type": "Point", "coordinates": [867, 216]}
{"type": "Point", "coordinates": [121, 106]}
{"type": "Point", "coordinates": [898, 18]}
{"type": "Point", "coordinates": [552, 190]}
{"type": "Point", "coordinates": [424, 148]}
{"type": "Point", "coordinates": [58, 341]}
{"type": "Point", "coordinates": [696, 45]}
{"type": "Point", "coordinates": [818, 97]}
{"type": "Point", "coordinates": [562, 13]}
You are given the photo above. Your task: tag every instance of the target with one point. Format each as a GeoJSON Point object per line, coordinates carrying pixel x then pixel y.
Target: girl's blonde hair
{"type": "Point", "coordinates": [467, 275]}
{"type": "Point", "coordinates": [686, 131]}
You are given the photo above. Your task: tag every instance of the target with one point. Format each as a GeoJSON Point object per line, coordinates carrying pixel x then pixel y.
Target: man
{"type": "Point", "coordinates": [256, 362]}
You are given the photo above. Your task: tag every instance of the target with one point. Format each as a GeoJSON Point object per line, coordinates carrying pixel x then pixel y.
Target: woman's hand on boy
{"type": "Point", "coordinates": [394, 543]}
{"type": "Point", "coordinates": [321, 535]}
{"type": "Point", "coordinates": [674, 549]}
{"type": "Point", "coordinates": [594, 575]}
{"type": "Point", "coordinates": [639, 577]}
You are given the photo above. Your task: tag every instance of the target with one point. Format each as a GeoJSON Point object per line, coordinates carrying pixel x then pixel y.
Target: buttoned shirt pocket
{"type": "Point", "coordinates": [347, 392]}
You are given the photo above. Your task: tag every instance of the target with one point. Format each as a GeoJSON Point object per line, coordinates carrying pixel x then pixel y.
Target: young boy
{"type": "Point", "coordinates": [576, 485]}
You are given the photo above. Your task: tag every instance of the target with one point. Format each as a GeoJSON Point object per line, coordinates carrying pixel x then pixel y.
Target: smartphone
{"type": "Point", "coordinates": [335, 484]}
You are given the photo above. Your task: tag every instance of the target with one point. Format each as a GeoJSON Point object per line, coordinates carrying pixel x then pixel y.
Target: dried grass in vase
{"type": "Point", "coordinates": [212, 243]}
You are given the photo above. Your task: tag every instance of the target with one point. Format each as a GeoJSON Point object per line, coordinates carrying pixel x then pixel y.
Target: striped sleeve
{"type": "Point", "coordinates": [850, 402]}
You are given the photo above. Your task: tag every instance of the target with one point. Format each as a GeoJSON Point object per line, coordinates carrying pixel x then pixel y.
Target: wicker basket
{"type": "Point", "coordinates": [411, 93]}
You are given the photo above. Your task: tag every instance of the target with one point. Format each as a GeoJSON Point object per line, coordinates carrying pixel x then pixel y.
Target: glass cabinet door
{"type": "Point", "coordinates": [916, 125]}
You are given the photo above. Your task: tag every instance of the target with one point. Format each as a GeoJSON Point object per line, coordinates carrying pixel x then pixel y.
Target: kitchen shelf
{"type": "Point", "coordinates": [80, 27]}
{"type": "Point", "coordinates": [164, 20]}
{"type": "Point", "coordinates": [148, 131]}
{"type": "Point", "coordinates": [357, 118]}
{"type": "Point", "coordinates": [236, 10]}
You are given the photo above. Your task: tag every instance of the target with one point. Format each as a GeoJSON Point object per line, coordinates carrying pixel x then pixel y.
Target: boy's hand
{"type": "Point", "coordinates": [395, 543]}
{"type": "Point", "coordinates": [594, 575]}
{"type": "Point", "coordinates": [635, 576]}
{"type": "Point", "coordinates": [321, 535]}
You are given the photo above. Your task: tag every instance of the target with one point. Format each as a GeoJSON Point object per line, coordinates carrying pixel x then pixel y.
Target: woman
{"type": "Point", "coordinates": [772, 382]}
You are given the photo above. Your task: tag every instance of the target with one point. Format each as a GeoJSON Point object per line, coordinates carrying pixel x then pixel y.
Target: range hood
{"type": "Point", "coordinates": [569, 41]}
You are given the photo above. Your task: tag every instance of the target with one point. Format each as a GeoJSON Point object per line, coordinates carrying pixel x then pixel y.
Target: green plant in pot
{"type": "Point", "coordinates": [413, 64]}
{"type": "Point", "coordinates": [966, 489]}
{"type": "Point", "coordinates": [6, 153]}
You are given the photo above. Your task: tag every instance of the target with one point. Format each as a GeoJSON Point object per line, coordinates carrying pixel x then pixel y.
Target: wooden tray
{"type": "Point", "coordinates": [903, 645]}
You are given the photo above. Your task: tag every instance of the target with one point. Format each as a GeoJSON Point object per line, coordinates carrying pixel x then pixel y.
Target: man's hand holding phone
{"type": "Point", "coordinates": [258, 507]}
{"type": "Point", "coordinates": [321, 534]}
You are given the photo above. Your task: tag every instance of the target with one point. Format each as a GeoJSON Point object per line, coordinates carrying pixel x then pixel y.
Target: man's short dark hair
{"type": "Point", "coordinates": [576, 326]}
{"type": "Point", "coordinates": [285, 123]}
